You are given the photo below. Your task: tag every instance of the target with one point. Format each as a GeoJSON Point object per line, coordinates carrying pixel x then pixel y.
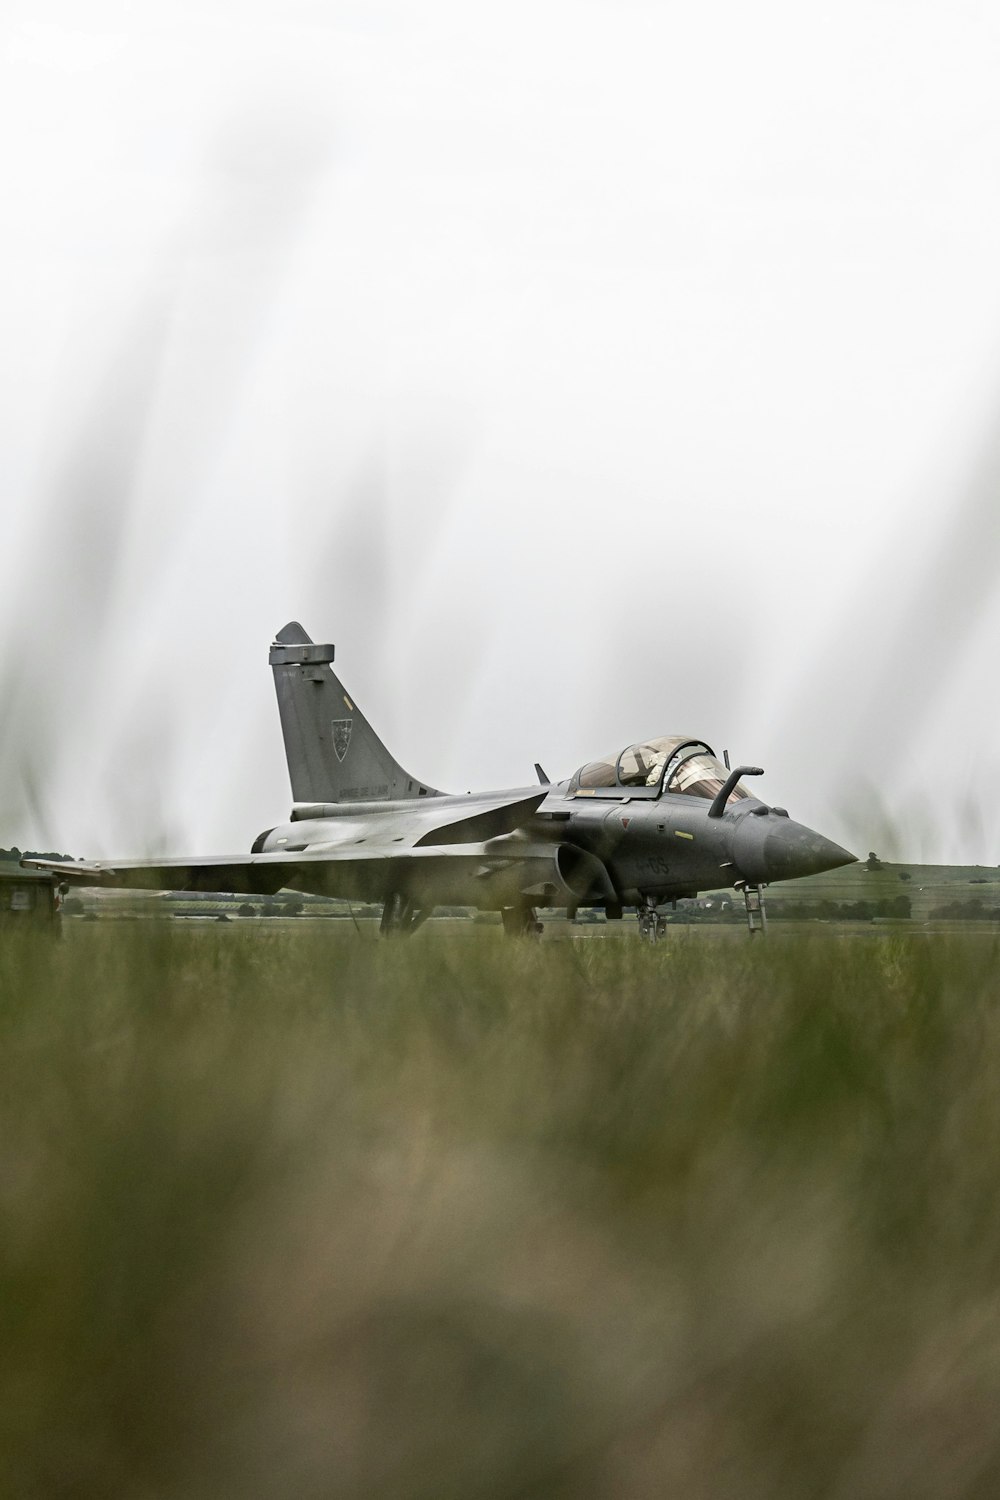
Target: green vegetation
{"type": "Point", "coordinates": [930, 891]}
{"type": "Point", "coordinates": [971, 910]}
{"type": "Point", "coordinates": [895, 908]}
{"type": "Point", "coordinates": [289, 1211]}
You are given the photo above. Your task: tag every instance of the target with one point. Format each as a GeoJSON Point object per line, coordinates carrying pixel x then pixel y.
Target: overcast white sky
{"type": "Point", "coordinates": [584, 371]}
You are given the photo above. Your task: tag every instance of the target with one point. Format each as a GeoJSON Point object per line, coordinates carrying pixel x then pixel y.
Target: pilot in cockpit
{"type": "Point", "coordinates": [642, 764]}
{"type": "Point", "coordinates": [656, 765]}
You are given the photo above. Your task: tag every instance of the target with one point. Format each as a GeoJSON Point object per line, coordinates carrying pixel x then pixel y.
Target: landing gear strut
{"type": "Point", "coordinates": [520, 921]}
{"type": "Point", "coordinates": [400, 916]}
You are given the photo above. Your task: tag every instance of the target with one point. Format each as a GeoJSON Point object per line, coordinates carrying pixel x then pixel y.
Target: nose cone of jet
{"type": "Point", "coordinates": [775, 848]}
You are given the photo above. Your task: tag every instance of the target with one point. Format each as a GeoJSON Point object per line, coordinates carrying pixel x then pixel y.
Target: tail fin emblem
{"type": "Point", "coordinates": [341, 736]}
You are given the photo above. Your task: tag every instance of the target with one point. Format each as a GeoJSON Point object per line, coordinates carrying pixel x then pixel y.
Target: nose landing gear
{"type": "Point", "coordinates": [651, 925]}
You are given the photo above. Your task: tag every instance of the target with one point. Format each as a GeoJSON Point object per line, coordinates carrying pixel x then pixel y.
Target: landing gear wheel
{"type": "Point", "coordinates": [651, 925]}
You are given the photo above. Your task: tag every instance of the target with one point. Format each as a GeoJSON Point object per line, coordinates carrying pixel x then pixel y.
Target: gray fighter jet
{"type": "Point", "coordinates": [661, 820]}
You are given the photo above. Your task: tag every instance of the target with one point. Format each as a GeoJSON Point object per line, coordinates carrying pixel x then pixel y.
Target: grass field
{"type": "Point", "coordinates": [298, 1213]}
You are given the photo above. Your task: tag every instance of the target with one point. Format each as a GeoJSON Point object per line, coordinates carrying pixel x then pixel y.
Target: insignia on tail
{"type": "Point", "coordinates": [333, 753]}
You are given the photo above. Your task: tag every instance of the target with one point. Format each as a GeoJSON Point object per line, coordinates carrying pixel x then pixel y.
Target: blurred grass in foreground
{"type": "Point", "coordinates": [298, 1213]}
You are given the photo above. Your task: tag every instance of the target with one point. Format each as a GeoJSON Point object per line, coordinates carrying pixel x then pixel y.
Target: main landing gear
{"type": "Point", "coordinates": [520, 921]}
{"type": "Point", "coordinates": [400, 916]}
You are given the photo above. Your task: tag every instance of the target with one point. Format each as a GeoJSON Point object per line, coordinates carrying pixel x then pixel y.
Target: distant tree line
{"type": "Point", "coordinates": [971, 910]}
{"type": "Point", "coordinates": [843, 911]}
{"type": "Point", "coordinates": [15, 854]}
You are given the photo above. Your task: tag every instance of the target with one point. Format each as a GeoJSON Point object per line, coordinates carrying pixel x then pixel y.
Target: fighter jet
{"type": "Point", "coordinates": [660, 820]}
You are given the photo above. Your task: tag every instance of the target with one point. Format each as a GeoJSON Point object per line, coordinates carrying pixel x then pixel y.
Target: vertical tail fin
{"type": "Point", "coordinates": [333, 753]}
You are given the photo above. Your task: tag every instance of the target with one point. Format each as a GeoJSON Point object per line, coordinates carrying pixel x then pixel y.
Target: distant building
{"type": "Point", "coordinates": [26, 896]}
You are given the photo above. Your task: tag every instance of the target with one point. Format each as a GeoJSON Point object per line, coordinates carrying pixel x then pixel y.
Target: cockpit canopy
{"type": "Point", "coordinates": [674, 763]}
